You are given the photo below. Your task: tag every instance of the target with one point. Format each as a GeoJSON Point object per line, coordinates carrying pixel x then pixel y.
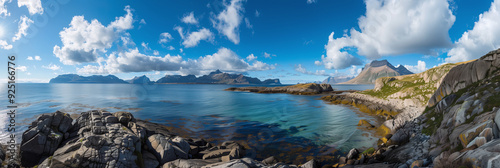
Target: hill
{"type": "Point", "coordinates": [74, 78]}
{"type": "Point", "coordinates": [377, 69]}
{"type": "Point", "coordinates": [216, 77]}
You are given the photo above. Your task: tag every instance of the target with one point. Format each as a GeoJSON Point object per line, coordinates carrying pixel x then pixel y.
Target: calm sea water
{"type": "Point", "coordinates": [266, 122]}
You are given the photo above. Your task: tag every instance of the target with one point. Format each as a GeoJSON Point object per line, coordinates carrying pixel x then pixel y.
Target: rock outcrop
{"type": "Point", "coordinates": [103, 139]}
{"type": "Point", "coordinates": [464, 75]}
{"type": "Point", "coordinates": [300, 89]}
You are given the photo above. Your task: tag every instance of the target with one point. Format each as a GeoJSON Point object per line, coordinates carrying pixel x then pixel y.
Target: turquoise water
{"type": "Point", "coordinates": [268, 122]}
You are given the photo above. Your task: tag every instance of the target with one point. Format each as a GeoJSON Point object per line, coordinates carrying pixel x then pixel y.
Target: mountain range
{"type": "Point", "coordinates": [377, 69]}
{"type": "Point", "coordinates": [216, 77]}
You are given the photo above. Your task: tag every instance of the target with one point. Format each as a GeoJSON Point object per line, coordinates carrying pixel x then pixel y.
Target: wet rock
{"type": "Point", "coordinates": [237, 163]}
{"type": "Point", "coordinates": [270, 160]}
{"type": "Point", "coordinates": [186, 163]}
{"type": "Point", "coordinates": [311, 164]}
{"type": "Point", "coordinates": [353, 154]}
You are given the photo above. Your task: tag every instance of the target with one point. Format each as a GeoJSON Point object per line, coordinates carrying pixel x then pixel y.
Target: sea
{"type": "Point", "coordinates": [293, 128]}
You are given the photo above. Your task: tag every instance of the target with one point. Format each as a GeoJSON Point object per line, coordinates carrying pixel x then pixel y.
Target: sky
{"type": "Point", "coordinates": [293, 40]}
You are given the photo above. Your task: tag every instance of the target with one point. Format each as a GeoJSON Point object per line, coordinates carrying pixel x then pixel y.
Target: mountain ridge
{"type": "Point", "coordinates": [377, 69]}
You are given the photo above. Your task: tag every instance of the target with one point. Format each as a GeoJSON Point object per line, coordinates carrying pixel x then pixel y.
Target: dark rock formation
{"type": "Point", "coordinates": [301, 89]}
{"type": "Point", "coordinates": [102, 139]}
{"type": "Point", "coordinates": [73, 78]}
{"type": "Point", "coordinates": [271, 82]}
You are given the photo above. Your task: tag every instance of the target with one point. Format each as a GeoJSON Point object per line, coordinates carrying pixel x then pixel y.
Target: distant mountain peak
{"type": "Point", "coordinates": [377, 69]}
{"type": "Point", "coordinates": [216, 72]}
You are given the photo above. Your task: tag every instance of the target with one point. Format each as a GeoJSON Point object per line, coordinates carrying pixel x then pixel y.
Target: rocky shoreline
{"type": "Point", "coordinates": [299, 89]}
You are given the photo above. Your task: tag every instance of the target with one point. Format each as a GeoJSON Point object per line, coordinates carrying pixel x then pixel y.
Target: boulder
{"type": "Point", "coordinates": [237, 163]}
{"type": "Point", "coordinates": [43, 137]}
{"type": "Point", "coordinates": [487, 155]}
{"type": "Point", "coordinates": [186, 163]}
{"type": "Point", "coordinates": [353, 154]}
{"type": "Point", "coordinates": [124, 117]}
{"type": "Point", "coordinates": [270, 160]}
{"type": "Point", "coordinates": [311, 164]}
{"type": "Point", "coordinates": [166, 149]}
{"type": "Point", "coordinates": [217, 154]}
{"type": "Point", "coordinates": [149, 159]}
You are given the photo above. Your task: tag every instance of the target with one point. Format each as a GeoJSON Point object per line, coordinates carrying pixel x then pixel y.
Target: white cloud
{"type": "Point", "coordinates": [142, 21]}
{"type": "Point", "coordinates": [257, 13]}
{"type": "Point", "coordinates": [156, 52]}
{"type": "Point", "coordinates": [251, 57]}
{"type": "Point", "coordinates": [228, 21]}
{"type": "Point", "coordinates": [311, 1]}
{"type": "Point", "coordinates": [4, 45]}
{"type": "Point", "coordinates": [22, 68]}
{"type": "Point", "coordinates": [267, 55]}
{"type": "Point", "coordinates": [170, 48]}
{"type": "Point", "coordinates": [193, 39]}
{"type": "Point", "coordinates": [318, 63]}
{"type": "Point", "coordinates": [34, 6]}
{"type": "Point", "coordinates": [165, 37]}
{"type": "Point", "coordinates": [420, 67]}
{"type": "Point", "coordinates": [134, 61]}
{"type": "Point", "coordinates": [24, 23]}
{"type": "Point", "coordinates": [84, 41]}
{"type": "Point", "coordinates": [3, 8]}
{"type": "Point", "coordinates": [248, 24]}
{"type": "Point", "coordinates": [481, 39]}
{"type": "Point", "coordinates": [52, 67]}
{"type": "Point", "coordinates": [189, 19]}
{"type": "Point", "coordinates": [355, 70]}
{"type": "Point", "coordinates": [393, 27]}
{"type": "Point", "coordinates": [145, 46]}
{"type": "Point", "coordinates": [38, 58]}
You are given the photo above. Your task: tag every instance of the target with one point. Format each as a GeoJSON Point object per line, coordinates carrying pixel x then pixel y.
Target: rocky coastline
{"type": "Point", "coordinates": [298, 89]}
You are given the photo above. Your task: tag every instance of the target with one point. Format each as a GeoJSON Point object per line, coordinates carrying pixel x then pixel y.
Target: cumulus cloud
{"type": "Point", "coordinates": [156, 52]}
{"type": "Point", "coordinates": [165, 37]}
{"type": "Point", "coordinates": [52, 67]}
{"type": "Point", "coordinates": [393, 27]}
{"type": "Point", "coordinates": [84, 41]}
{"type": "Point", "coordinates": [4, 45]}
{"type": "Point", "coordinates": [193, 39]}
{"type": "Point", "coordinates": [251, 57]}
{"type": "Point", "coordinates": [3, 8]}
{"type": "Point", "coordinates": [38, 58]}
{"type": "Point", "coordinates": [189, 19]}
{"type": "Point", "coordinates": [228, 21]}
{"type": "Point", "coordinates": [23, 25]}
{"type": "Point", "coordinates": [481, 39]}
{"type": "Point", "coordinates": [134, 61]}
{"type": "Point", "coordinates": [34, 6]}
{"type": "Point", "coordinates": [354, 70]}
{"type": "Point", "coordinates": [420, 67]}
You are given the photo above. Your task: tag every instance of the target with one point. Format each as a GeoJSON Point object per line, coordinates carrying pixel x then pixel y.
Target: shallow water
{"type": "Point", "coordinates": [271, 124]}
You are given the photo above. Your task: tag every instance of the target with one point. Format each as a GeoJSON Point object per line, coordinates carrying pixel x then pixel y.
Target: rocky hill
{"type": "Point", "coordinates": [140, 80]}
{"type": "Point", "coordinates": [447, 116]}
{"type": "Point", "coordinates": [216, 77]}
{"type": "Point", "coordinates": [377, 69]}
{"type": "Point", "coordinates": [74, 78]}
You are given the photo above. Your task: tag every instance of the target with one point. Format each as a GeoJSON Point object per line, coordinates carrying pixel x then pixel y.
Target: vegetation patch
{"type": "Point", "coordinates": [432, 126]}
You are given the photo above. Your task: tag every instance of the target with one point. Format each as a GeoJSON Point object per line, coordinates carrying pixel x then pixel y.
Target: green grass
{"type": "Point", "coordinates": [368, 151]}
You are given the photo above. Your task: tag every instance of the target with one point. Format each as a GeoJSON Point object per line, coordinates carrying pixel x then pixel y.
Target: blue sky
{"type": "Point", "coordinates": [296, 41]}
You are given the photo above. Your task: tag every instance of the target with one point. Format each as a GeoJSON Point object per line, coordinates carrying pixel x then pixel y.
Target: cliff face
{"type": "Point", "coordinates": [467, 74]}
{"type": "Point", "coordinates": [377, 69]}
{"type": "Point", "coordinates": [73, 78]}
